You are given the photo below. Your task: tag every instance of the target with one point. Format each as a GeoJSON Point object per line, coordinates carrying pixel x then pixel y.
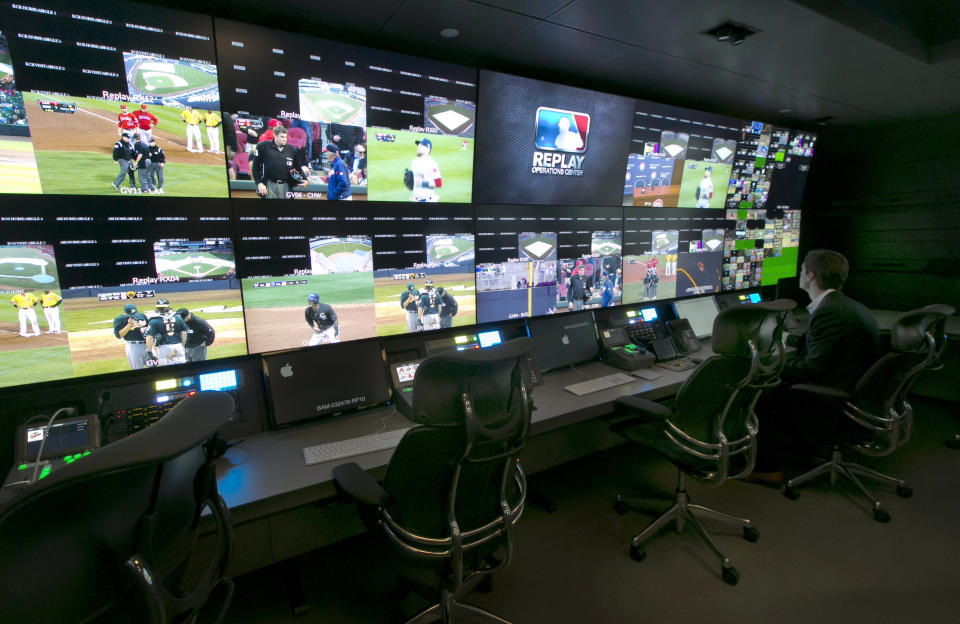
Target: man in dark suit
{"type": "Point", "coordinates": [838, 346]}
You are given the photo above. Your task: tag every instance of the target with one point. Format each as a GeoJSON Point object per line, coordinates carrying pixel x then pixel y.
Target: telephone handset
{"type": "Point", "coordinates": [683, 336]}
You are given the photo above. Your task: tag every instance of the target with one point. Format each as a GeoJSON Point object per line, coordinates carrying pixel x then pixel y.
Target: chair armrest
{"type": "Point", "coordinates": [825, 392]}
{"type": "Point", "coordinates": [353, 481]}
{"type": "Point", "coordinates": [648, 410]}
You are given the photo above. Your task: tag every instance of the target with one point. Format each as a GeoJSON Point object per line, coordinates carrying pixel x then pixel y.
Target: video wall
{"type": "Point", "coordinates": [486, 196]}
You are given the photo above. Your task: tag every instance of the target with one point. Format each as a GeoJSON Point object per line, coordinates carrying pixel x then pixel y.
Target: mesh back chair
{"type": "Point", "coordinates": [880, 418]}
{"type": "Point", "coordinates": [710, 431]}
{"type": "Point", "coordinates": [110, 536]}
{"type": "Point", "coordinates": [454, 488]}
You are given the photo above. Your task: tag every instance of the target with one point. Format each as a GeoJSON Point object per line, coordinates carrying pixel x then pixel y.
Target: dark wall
{"type": "Point", "coordinates": [887, 195]}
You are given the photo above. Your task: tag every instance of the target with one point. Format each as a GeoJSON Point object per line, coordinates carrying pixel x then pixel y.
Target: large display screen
{"type": "Point", "coordinates": [311, 279]}
{"type": "Point", "coordinates": [544, 143]}
{"type": "Point", "coordinates": [91, 288]}
{"type": "Point", "coordinates": [88, 73]}
{"type": "Point", "coordinates": [386, 114]}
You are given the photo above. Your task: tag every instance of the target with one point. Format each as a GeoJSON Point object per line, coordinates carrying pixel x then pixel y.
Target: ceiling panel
{"type": "Point", "coordinates": [483, 29]}
{"type": "Point", "coordinates": [637, 21]}
{"type": "Point", "coordinates": [364, 17]}
{"type": "Point", "coordinates": [579, 53]}
{"type": "Point", "coordinates": [534, 8]}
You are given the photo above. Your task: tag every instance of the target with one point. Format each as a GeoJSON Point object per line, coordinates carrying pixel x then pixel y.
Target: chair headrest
{"type": "Point", "coordinates": [760, 322]}
{"type": "Point", "coordinates": [441, 379]}
{"type": "Point", "coordinates": [910, 328]}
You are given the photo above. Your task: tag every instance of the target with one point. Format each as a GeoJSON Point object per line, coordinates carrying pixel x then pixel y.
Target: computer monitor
{"type": "Point", "coordinates": [312, 383]}
{"type": "Point", "coordinates": [563, 340]}
{"type": "Point", "coordinates": [700, 312]}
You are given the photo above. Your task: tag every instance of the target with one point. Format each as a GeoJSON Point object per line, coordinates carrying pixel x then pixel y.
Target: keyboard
{"type": "Point", "coordinates": [600, 383]}
{"type": "Point", "coordinates": [332, 451]}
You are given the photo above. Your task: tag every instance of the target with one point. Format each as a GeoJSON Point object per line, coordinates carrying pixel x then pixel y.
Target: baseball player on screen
{"type": "Point", "coordinates": [322, 320]}
{"type": "Point", "coordinates": [212, 121]}
{"type": "Point", "coordinates": [129, 327]}
{"type": "Point", "coordinates": [126, 121]}
{"type": "Point", "coordinates": [25, 302]}
{"type": "Point", "coordinates": [409, 301]}
{"type": "Point", "coordinates": [166, 333]}
{"type": "Point", "coordinates": [50, 302]}
{"type": "Point", "coordinates": [192, 118]}
{"type": "Point", "coordinates": [146, 123]}
{"type": "Point", "coordinates": [429, 307]}
{"type": "Point", "coordinates": [426, 173]}
{"type": "Point", "coordinates": [705, 189]}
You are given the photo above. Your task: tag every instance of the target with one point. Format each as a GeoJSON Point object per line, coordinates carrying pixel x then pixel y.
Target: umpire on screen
{"type": "Point", "coordinates": [199, 336]}
{"type": "Point", "coordinates": [276, 166]}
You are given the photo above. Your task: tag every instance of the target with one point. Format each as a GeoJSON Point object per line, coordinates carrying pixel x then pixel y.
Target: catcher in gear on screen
{"type": "Point", "coordinates": [165, 335]}
{"type": "Point", "coordinates": [322, 320]}
{"type": "Point", "coordinates": [425, 174]}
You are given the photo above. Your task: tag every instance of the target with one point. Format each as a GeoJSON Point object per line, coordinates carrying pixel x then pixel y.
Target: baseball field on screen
{"type": "Point", "coordinates": [275, 318]}
{"type": "Point", "coordinates": [74, 152]}
{"type": "Point", "coordinates": [392, 319]}
{"type": "Point", "coordinates": [96, 350]}
{"type": "Point", "coordinates": [386, 162]}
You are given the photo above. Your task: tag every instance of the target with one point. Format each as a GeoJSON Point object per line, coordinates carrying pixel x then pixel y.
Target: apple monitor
{"type": "Point", "coordinates": [564, 340]}
{"type": "Point", "coordinates": [312, 383]}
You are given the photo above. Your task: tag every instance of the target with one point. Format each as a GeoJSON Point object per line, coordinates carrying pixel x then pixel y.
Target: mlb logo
{"type": "Point", "coordinates": [562, 130]}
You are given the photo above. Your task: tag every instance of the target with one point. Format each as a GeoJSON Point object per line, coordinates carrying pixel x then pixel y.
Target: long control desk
{"type": "Point", "coordinates": [280, 506]}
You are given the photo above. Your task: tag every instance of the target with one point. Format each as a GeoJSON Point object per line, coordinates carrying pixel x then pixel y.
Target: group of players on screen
{"type": "Point", "coordinates": [161, 336]}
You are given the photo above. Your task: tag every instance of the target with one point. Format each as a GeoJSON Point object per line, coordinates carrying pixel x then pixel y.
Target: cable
{"type": "Point", "coordinates": [43, 441]}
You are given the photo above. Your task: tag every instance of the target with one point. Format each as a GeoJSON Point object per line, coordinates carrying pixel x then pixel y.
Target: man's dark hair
{"type": "Point", "coordinates": [829, 267]}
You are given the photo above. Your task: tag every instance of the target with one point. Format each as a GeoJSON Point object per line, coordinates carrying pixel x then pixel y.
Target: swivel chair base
{"type": "Point", "coordinates": [850, 470]}
{"type": "Point", "coordinates": [684, 511]}
{"type": "Point", "coordinates": [448, 610]}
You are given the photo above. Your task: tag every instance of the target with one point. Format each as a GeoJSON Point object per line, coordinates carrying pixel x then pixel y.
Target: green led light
{"type": "Point", "coordinates": [77, 456]}
{"type": "Point", "coordinates": [22, 467]}
{"type": "Point", "coordinates": [410, 389]}
{"type": "Point", "coordinates": [45, 471]}
{"type": "Point", "coordinates": [85, 453]}
{"type": "Point", "coordinates": [68, 460]}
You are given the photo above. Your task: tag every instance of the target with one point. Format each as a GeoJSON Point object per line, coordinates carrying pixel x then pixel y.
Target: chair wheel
{"type": "Point", "coordinates": [751, 534]}
{"type": "Point", "coordinates": [904, 491]}
{"type": "Point", "coordinates": [637, 553]}
{"type": "Point", "coordinates": [791, 493]}
{"type": "Point", "coordinates": [620, 506]}
{"type": "Point", "coordinates": [731, 576]}
{"type": "Point", "coordinates": [881, 515]}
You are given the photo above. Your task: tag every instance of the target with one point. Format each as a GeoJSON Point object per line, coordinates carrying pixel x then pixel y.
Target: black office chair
{"type": "Point", "coordinates": [880, 418]}
{"type": "Point", "coordinates": [454, 488]}
{"type": "Point", "coordinates": [710, 431]}
{"type": "Point", "coordinates": [109, 537]}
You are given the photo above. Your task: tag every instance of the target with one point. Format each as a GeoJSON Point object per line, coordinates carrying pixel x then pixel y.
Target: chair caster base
{"type": "Point", "coordinates": [751, 534]}
{"type": "Point", "coordinates": [637, 554]}
{"type": "Point", "coordinates": [904, 492]}
{"type": "Point", "coordinates": [731, 576]}
{"type": "Point", "coordinates": [881, 515]}
{"type": "Point", "coordinates": [620, 506]}
{"type": "Point", "coordinates": [791, 493]}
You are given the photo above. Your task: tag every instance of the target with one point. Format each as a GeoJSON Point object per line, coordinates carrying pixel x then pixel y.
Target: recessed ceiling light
{"type": "Point", "coordinates": [785, 110]}
{"type": "Point", "coordinates": [449, 33]}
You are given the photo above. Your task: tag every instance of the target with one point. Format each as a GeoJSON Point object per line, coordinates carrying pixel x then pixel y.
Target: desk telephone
{"type": "Point", "coordinates": [667, 343]}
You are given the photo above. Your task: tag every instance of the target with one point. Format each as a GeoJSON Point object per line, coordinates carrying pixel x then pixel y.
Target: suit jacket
{"type": "Point", "coordinates": [840, 344]}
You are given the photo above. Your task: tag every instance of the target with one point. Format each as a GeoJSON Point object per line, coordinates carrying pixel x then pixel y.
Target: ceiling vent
{"type": "Point", "coordinates": [731, 32]}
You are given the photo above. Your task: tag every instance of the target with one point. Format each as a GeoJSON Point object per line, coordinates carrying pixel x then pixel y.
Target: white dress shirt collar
{"type": "Point", "coordinates": [816, 302]}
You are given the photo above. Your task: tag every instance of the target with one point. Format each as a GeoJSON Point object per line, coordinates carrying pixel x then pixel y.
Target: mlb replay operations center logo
{"type": "Point", "coordinates": [562, 135]}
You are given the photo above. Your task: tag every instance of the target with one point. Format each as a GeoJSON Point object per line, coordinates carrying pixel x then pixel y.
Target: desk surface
{"type": "Point", "coordinates": [267, 470]}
